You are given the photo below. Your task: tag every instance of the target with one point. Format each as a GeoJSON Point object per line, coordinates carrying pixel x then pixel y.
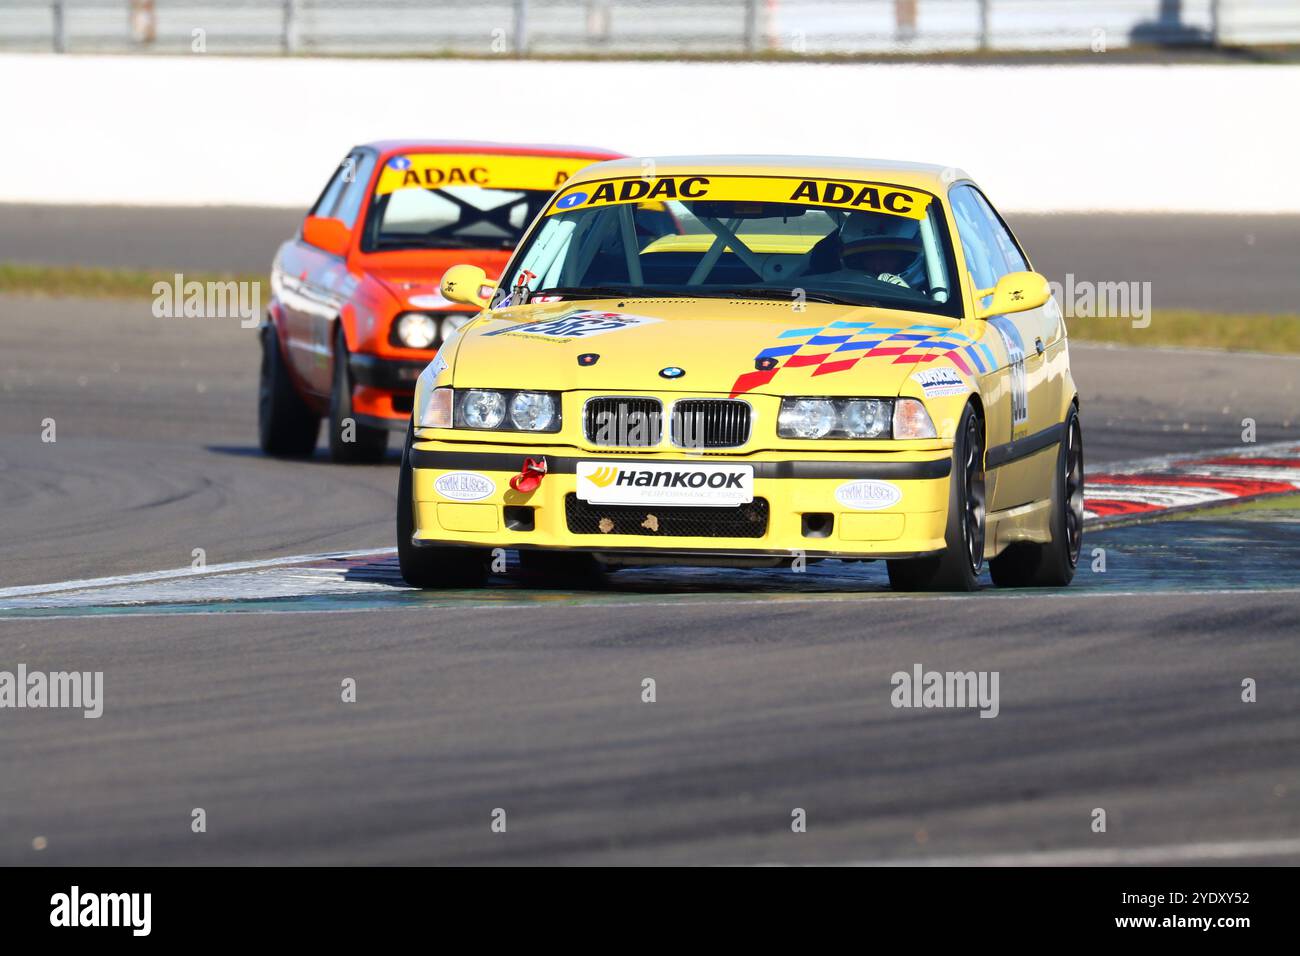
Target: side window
{"type": "Point", "coordinates": [325, 204]}
{"type": "Point", "coordinates": [356, 176]}
{"type": "Point", "coordinates": [983, 254]}
{"type": "Point", "coordinates": [1006, 245]}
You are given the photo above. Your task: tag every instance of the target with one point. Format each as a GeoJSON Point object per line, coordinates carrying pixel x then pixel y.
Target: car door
{"type": "Point", "coordinates": [313, 279]}
{"type": "Point", "coordinates": [333, 283]}
{"type": "Point", "coordinates": [1025, 405]}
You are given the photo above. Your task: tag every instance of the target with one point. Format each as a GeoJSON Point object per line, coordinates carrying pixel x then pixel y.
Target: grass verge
{"type": "Point", "coordinates": [1264, 503]}
{"type": "Point", "coordinates": [1202, 330]}
{"type": "Point", "coordinates": [99, 283]}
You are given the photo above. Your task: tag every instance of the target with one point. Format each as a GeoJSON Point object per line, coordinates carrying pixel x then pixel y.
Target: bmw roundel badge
{"type": "Point", "coordinates": [672, 371]}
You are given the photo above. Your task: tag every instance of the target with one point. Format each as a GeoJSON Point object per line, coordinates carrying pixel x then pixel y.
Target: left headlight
{"type": "Point", "coordinates": [835, 418]}
{"type": "Point", "coordinates": [496, 410]}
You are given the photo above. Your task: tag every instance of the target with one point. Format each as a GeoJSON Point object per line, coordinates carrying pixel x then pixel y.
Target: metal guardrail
{"type": "Point", "coordinates": [630, 27]}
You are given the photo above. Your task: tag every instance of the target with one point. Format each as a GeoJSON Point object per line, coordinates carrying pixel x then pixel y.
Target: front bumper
{"type": "Point", "coordinates": [798, 496]}
{"type": "Point", "coordinates": [384, 390]}
{"type": "Point", "coordinates": [372, 371]}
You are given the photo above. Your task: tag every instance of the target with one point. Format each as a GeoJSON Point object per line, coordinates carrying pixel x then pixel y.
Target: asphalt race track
{"type": "Point", "coordinates": [1122, 692]}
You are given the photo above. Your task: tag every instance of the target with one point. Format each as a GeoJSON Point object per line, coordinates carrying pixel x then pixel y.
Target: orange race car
{"type": "Point", "coordinates": [355, 312]}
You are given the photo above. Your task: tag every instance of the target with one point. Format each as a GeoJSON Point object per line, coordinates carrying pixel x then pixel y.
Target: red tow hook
{"type": "Point", "coordinates": [530, 476]}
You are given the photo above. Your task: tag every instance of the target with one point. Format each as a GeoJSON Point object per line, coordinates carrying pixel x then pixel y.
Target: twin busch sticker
{"type": "Point", "coordinates": [868, 495]}
{"type": "Point", "coordinates": [464, 486]}
{"type": "Point", "coordinates": [653, 483]}
{"type": "Point", "coordinates": [937, 382]}
{"type": "Point", "coordinates": [578, 324]}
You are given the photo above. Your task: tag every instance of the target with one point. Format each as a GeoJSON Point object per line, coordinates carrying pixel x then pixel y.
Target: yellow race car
{"type": "Point", "coordinates": [752, 361]}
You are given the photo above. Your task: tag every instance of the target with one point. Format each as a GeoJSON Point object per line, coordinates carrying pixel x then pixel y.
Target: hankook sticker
{"type": "Point", "coordinates": [655, 483]}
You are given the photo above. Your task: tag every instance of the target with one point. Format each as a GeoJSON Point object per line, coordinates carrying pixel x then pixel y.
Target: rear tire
{"type": "Point", "coordinates": [1052, 565]}
{"type": "Point", "coordinates": [287, 427]}
{"type": "Point", "coordinates": [368, 445]}
{"type": "Point", "coordinates": [958, 567]}
{"type": "Point", "coordinates": [430, 567]}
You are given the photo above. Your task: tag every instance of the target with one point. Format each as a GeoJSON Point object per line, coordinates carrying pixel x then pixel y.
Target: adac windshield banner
{"type": "Point", "coordinates": [436, 170]}
{"type": "Point", "coordinates": [831, 193]}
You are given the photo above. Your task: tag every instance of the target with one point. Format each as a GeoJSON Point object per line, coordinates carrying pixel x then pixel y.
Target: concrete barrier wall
{"type": "Point", "coordinates": [209, 130]}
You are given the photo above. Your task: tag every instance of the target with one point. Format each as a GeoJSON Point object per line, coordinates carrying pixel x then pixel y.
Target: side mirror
{"type": "Point", "coordinates": [331, 235]}
{"type": "Point", "coordinates": [1015, 292]}
{"type": "Point", "coordinates": [468, 285]}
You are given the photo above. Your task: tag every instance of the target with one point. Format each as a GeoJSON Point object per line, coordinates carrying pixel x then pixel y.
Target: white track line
{"type": "Point", "coordinates": [1116, 856]}
{"type": "Point", "coordinates": [147, 576]}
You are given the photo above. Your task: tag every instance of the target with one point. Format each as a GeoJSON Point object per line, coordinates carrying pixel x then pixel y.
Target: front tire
{"type": "Point", "coordinates": [287, 427]}
{"type": "Point", "coordinates": [958, 567]}
{"type": "Point", "coordinates": [350, 441]}
{"type": "Point", "coordinates": [430, 567]}
{"type": "Point", "coordinates": [1052, 565]}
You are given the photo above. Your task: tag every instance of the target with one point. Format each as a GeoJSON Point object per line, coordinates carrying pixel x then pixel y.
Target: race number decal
{"type": "Point", "coordinates": [1016, 365]}
{"type": "Point", "coordinates": [579, 324]}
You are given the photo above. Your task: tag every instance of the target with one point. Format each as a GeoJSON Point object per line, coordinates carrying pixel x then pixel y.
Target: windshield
{"type": "Point", "coordinates": [460, 200]}
{"type": "Point", "coordinates": [810, 240]}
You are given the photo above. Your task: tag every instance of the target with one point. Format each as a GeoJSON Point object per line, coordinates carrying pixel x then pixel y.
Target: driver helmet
{"type": "Point", "coordinates": [884, 247]}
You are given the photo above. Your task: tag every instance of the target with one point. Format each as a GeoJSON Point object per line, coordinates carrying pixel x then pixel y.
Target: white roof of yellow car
{"type": "Point", "coordinates": [928, 176]}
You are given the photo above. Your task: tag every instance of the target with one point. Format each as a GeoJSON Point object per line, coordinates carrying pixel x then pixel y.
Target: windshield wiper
{"type": "Point", "coordinates": [767, 292]}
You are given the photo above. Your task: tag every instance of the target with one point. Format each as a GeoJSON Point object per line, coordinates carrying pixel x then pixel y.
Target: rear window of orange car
{"type": "Point", "coordinates": [460, 200]}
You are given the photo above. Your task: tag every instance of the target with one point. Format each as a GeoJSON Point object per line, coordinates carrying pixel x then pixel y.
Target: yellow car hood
{"type": "Point", "coordinates": [730, 346]}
